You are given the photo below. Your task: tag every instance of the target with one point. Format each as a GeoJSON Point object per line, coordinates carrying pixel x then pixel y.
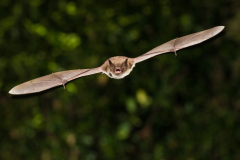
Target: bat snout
{"type": "Point", "coordinates": [118, 70]}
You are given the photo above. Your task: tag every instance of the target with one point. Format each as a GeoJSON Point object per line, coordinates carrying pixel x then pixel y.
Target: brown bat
{"type": "Point", "coordinates": [115, 67]}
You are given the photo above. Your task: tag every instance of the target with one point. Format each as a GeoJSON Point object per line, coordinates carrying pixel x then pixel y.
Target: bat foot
{"type": "Point", "coordinates": [175, 53]}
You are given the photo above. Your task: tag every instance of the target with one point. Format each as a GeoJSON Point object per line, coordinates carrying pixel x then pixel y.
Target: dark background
{"type": "Point", "coordinates": [167, 108]}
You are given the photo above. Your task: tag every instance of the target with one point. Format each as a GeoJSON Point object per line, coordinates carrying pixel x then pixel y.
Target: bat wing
{"type": "Point", "coordinates": [52, 80]}
{"type": "Point", "coordinates": [179, 43]}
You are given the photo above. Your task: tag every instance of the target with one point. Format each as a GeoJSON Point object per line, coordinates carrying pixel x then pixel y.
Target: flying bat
{"type": "Point", "coordinates": [115, 67]}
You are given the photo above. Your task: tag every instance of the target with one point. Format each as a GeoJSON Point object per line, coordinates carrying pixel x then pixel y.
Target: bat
{"type": "Point", "coordinates": [115, 67]}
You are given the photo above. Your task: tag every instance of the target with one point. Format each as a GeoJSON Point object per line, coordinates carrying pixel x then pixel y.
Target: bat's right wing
{"type": "Point", "coordinates": [52, 80]}
{"type": "Point", "coordinates": [179, 43]}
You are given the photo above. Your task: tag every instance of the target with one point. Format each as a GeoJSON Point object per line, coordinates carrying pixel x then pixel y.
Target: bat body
{"type": "Point", "coordinates": [115, 67]}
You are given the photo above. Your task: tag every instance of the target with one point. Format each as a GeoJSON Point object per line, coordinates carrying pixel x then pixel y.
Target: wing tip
{"type": "Point", "coordinates": [16, 91]}
{"type": "Point", "coordinates": [219, 28]}
{"type": "Point", "coordinates": [13, 91]}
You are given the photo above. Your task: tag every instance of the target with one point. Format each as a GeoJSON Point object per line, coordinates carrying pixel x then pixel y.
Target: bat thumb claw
{"type": "Point", "coordinates": [64, 86]}
{"type": "Point", "coordinates": [175, 54]}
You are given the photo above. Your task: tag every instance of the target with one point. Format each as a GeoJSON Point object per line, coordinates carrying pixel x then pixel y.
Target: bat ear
{"type": "Point", "coordinates": [125, 62]}
{"type": "Point", "coordinates": [110, 62]}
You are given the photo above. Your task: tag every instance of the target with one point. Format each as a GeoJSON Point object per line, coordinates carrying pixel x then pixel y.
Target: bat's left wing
{"type": "Point", "coordinates": [179, 43]}
{"type": "Point", "coordinates": [52, 80]}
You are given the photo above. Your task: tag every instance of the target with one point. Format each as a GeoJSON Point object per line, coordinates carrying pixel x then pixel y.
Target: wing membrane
{"type": "Point", "coordinates": [179, 43]}
{"type": "Point", "coordinates": [52, 80]}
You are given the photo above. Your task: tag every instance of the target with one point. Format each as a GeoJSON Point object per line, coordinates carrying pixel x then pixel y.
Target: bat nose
{"type": "Point", "coordinates": [118, 70]}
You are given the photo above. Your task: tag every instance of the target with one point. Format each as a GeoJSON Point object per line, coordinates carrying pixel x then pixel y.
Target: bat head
{"type": "Point", "coordinates": [118, 67]}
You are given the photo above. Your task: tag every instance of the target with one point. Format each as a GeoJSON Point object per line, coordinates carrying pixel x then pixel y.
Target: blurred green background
{"type": "Point", "coordinates": [168, 108]}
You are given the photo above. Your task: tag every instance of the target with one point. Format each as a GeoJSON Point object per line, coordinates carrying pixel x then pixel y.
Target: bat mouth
{"type": "Point", "coordinates": [118, 70]}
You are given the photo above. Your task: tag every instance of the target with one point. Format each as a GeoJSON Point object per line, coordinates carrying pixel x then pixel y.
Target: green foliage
{"type": "Point", "coordinates": [167, 108]}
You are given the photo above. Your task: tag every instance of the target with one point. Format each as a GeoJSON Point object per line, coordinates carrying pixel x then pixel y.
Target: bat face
{"type": "Point", "coordinates": [118, 67]}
